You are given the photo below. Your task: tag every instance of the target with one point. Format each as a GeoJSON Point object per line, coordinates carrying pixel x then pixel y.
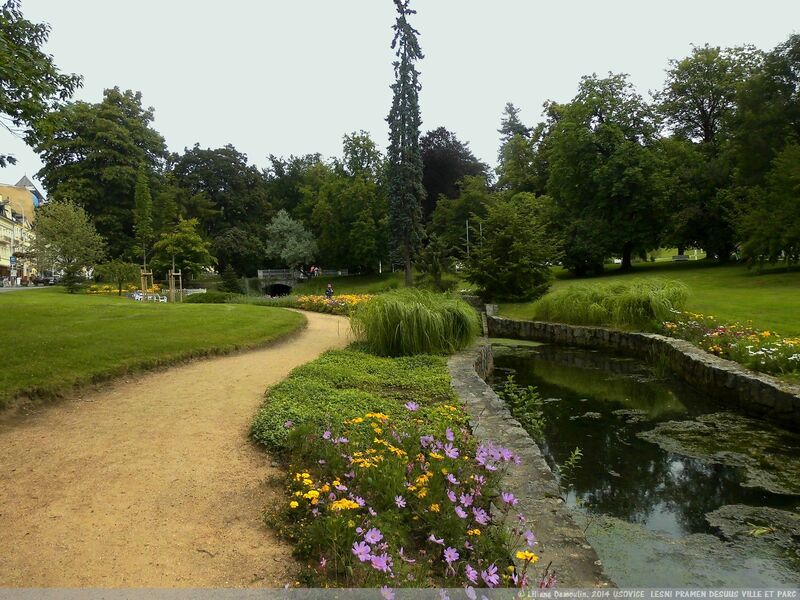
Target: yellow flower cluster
{"type": "Point", "coordinates": [344, 504]}
{"type": "Point", "coordinates": [341, 304]}
{"type": "Point", "coordinates": [527, 556]}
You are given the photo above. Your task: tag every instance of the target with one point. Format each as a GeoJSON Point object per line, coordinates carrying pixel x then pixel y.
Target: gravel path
{"type": "Point", "coordinates": [152, 481]}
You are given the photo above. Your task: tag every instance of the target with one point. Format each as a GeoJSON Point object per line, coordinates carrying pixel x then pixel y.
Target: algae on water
{"type": "Point", "coordinates": [769, 456]}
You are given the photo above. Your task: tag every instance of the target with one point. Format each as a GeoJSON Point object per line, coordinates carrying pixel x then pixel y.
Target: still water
{"type": "Point", "coordinates": [673, 488]}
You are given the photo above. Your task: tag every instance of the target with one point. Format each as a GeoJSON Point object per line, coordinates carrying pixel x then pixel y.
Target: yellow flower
{"type": "Point", "coordinates": [293, 504]}
{"type": "Point", "coordinates": [379, 416]}
{"type": "Point", "coordinates": [436, 456]}
{"type": "Point", "coordinates": [311, 494]}
{"type": "Point", "coordinates": [527, 556]}
{"type": "Point", "coordinates": [473, 532]}
{"type": "Point", "coordinates": [422, 493]}
{"type": "Point", "coordinates": [434, 508]}
{"type": "Point", "coordinates": [325, 488]}
{"type": "Point", "coordinates": [351, 523]}
{"type": "Point", "coordinates": [344, 504]}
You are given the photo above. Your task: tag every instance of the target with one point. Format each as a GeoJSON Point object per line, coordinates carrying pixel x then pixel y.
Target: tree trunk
{"type": "Point", "coordinates": [626, 257]}
{"type": "Point", "coordinates": [409, 275]}
{"type": "Point", "coordinates": [681, 250]}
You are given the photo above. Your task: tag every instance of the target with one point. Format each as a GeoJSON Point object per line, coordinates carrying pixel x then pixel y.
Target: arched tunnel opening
{"type": "Point", "coordinates": [278, 289]}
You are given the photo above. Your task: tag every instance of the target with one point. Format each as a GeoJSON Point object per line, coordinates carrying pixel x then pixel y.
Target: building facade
{"type": "Point", "coordinates": [18, 205]}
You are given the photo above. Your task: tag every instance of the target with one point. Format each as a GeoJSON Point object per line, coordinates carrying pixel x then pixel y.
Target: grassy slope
{"type": "Point", "coordinates": [54, 341]}
{"type": "Point", "coordinates": [770, 298]}
{"type": "Point", "coordinates": [355, 284]}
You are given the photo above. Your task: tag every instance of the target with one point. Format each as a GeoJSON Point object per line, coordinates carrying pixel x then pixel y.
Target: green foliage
{"type": "Point", "coordinates": [92, 154]}
{"type": "Point", "coordinates": [525, 405]}
{"type": "Point", "coordinates": [566, 471]}
{"type": "Point", "coordinates": [143, 211]}
{"type": "Point", "coordinates": [65, 238]}
{"type": "Point", "coordinates": [289, 242]}
{"type": "Point", "coordinates": [404, 168]}
{"type": "Point", "coordinates": [185, 246]}
{"type": "Point", "coordinates": [230, 281]}
{"type": "Point", "coordinates": [239, 249]}
{"type": "Point", "coordinates": [211, 298]}
{"type": "Point", "coordinates": [449, 219]}
{"type": "Point", "coordinates": [347, 214]}
{"type": "Point", "coordinates": [512, 260]}
{"type": "Point", "coordinates": [344, 384]}
{"type": "Point", "coordinates": [235, 192]}
{"type": "Point", "coordinates": [32, 85]}
{"type": "Point", "coordinates": [406, 322]}
{"type": "Point", "coordinates": [769, 223]}
{"type": "Point", "coordinates": [605, 178]}
{"type": "Point", "coordinates": [118, 272]}
{"type": "Point", "coordinates": [640, 304]}
{"type": "Point", "coordinates": [446, 160]}
{"type": "Point", "coordinates": [699, 93]}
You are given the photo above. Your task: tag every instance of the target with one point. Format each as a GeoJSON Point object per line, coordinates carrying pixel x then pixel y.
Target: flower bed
{"type": "Point", "coordinates": [764, 351]}
{"type": "Point", "coordinates": [397, 496]}
{"type": "Point", "coordinates": [338, 305]}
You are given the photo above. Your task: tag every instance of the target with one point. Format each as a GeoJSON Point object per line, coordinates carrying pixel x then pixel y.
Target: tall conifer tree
{"type": "Point", "coordinates": [143, 212]}
{"type": "Point", "coordinates": [406, 191]}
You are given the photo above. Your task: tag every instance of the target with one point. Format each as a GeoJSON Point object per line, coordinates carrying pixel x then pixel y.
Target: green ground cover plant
{"type": "Point", "coordinates": [410, 321]}
{"type": "Point", "coordinates": [639, 304]}
{"type": "Point", "coordinates": [386, 485]}
{"type": "Point", "coordinates": [56, 341]}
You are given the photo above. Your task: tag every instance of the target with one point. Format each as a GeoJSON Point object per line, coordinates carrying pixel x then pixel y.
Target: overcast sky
{"type": "Point", "coordinates": [292, 76]}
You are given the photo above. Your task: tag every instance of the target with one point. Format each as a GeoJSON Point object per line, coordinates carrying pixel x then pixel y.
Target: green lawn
{"type": "Point", "coordinates": [54, 341]}
{"type": "Point", "coordinates": [769, 298]}
{"type": "Point", "coordinates": [354, 284]}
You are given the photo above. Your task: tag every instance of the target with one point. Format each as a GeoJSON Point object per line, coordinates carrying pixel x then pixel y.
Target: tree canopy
{"type": "Point", "coordinates": [31, 83]}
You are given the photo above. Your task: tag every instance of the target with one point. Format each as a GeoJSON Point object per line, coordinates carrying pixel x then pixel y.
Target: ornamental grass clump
{"type": "Point", "coordinates": [377, 500]}
{"type": "Point", "coordinates": [405, 322]}
{"type": "Point", "coordinates": [640, 304]}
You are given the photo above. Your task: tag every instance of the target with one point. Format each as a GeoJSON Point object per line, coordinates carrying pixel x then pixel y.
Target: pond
{"type": "Point", "coordinates": [672, 489]}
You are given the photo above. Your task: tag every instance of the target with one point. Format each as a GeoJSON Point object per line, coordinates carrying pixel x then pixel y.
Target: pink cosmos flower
{"type": "Point", "coordinates": [412, 406]}
{"type": "Point", "coordinates": [373, 536]}
{"type": "Point", "coordinates": [362, 551]}
{"type": "Point", "coordinates": [462, 514]}
{"type": "Point", "coordinates": [471, 573]}
{"type": "Point", "coordinates": [450, 555]}
{"type": "Point", "coordinates": [450, 451]}
{"type": "Point", "coordinates": [451, 495]}
{"type": "Point", "coordinates": [382, 563]}
{"type": "Point", "coordinates": [466, 499]}
{"type": "Point", "coordinates": [387, 592]}
{"type": "Point", "coordinates": [509, 499]}
{"type": "Point", "coordinates": [449, 435]}
{"type": "Point", "coordinates": [400, 501]}
{"type": "Point", "coordinates": [432, 538]}
{"type": "Point", "coordinates": [490, 576]}
{"type": "Point", "coordinates": [481, 516]}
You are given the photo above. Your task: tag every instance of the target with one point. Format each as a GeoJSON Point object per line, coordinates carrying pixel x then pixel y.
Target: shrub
{"type": "Point", "coordinates": [344, 304]}
{"type": "Point", "coordinates": [512, 261]}
{"type": "Point", "coordinates": [210, 298]}
{"type": "Point", "coordinates": [230, 281]}
{"type": "Point", "coordinates": [405, 322]}
{"type": "Point", "coordinates": [641, 304]}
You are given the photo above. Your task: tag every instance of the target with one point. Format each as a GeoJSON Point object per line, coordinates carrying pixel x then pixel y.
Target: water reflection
{"type": "Point", "coordinates": [600, 403]}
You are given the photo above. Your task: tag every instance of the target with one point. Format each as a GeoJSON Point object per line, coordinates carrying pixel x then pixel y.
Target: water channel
{"type": "Point", "coordinates": [673, 489]}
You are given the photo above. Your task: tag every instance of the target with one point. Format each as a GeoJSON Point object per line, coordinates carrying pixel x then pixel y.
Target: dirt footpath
{"type": "Point", "coordinates": [153, 481]}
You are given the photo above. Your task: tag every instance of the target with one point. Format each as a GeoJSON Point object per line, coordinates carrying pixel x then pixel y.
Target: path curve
{"type": "Point", "coordinates": [152, 482]}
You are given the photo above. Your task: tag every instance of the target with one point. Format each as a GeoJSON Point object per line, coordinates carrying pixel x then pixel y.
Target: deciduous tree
{"type": "Point", "coordinates": [30, 82]}
{"type": "Point", "coordinates": [65, 239]}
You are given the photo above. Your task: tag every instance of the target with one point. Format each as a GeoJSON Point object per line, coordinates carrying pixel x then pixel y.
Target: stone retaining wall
{"type": "Point", "coordinates": [560, 541]}
{"type": "Point", "coordinates": [754, 393]}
